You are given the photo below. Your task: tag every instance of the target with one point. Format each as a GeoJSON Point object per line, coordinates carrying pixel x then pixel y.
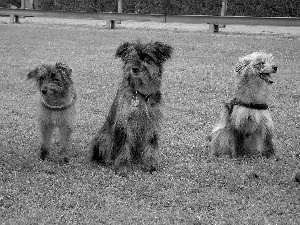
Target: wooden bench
{"type": "Point", "coordinates": [213, 28]}
{"type": "Point", "coordinates": [215, 22]}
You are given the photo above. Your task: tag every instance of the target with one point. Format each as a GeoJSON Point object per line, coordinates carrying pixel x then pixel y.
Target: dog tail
{"type": "Point", "coordinates": [222, 123]}
{"type": "Point", "coordinates": [224, 118]}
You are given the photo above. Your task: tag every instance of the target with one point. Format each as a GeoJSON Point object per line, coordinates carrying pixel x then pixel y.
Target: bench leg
{"type": "Point", "coordinates": [213, 28]}
{"type": "Point", "coordinates": [14, 19]}
{"type": "Point", "coordinates": [110, 24]}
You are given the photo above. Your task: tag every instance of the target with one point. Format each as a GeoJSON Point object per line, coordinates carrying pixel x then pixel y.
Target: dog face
{"type": "Point", "coordinates": [52, 81]}
{"type": "Point", "coordinates": [143, 64]}
{"type": "Point", "coordinates": [257, 65]}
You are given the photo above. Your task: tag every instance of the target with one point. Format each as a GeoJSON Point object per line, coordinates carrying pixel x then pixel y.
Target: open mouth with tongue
{"type": "Point", "coordinates": [265, 73]}
{"type": "Point", "coordinates": [266, 77]}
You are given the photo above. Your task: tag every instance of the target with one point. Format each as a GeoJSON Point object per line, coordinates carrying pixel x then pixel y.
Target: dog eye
{"type": "Point", "coordinates": [260, 65]}
{"type": "Point", "coordinates": [146, 58]}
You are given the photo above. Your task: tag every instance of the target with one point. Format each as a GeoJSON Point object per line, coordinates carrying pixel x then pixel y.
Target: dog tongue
{"type": "Point", "coordinates": [269, 78]}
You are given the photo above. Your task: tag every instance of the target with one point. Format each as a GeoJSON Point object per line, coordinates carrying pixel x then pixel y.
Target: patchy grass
{"type": "Point", "coordinates": [192, 187]}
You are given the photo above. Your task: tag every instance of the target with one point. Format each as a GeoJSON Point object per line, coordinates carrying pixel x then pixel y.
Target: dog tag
{"type": "Point", "coordinates": [135, 102]}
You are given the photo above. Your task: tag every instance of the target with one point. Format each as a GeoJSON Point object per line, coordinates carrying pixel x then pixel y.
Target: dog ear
{"type": "Point", "coordinates": [32, 74]}
{"type": "Point", "coordinates": [121, 50]}
{"type": "Point", "coordinates": [64, 67]}
{"type": "Point", "coordinates": [162, 51]}
{"type": "Point", "coordinates": [36, 73]}
{"type": "Point", "coordinates": [241, 65]}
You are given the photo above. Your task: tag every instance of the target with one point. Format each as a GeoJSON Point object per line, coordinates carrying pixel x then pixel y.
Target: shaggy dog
{"type": "Point", "coordinates": [131, 130]}
{"type": "Point", "coordinates": [245, 126]}
{"type": "Point", "coordinates": [57, 105]}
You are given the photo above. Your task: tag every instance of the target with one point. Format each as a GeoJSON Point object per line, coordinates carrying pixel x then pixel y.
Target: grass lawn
{"type": "Point", "coordinates": [192, 187]}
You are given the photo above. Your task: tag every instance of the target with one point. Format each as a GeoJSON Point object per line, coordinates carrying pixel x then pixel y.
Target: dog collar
{"type": "Point", "coordinates": [146, 97]}
{"type": "Point", "coordinates": [59, 107]}
{"type": "Point", "coordinates": [152, 99]}
{"type": "Point", "coordinates": [236, 101]}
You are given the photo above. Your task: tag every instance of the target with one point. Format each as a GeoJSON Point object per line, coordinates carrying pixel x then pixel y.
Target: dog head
{"type": "Point", "coordinates": [52, 80]}
{"type": "Point", "coordinates": [143, 64]}
{"type": "Point", "coordinates": [257, 65]}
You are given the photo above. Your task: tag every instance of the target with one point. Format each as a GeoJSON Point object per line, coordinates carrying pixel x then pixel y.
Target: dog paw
{"type": "Point", "coordinates": [208, 138]}
{"type": "Point", "coordinates": [99, 159]}
{"type": "Point", "coordinates": [44, 153]}
{"type": "Point", "coordinates": [65, 159]}
{"type": "Point", "coordinates": [122, 171]}
{"type": "Point", "coordinates": [151, 167]}
{"type": "Point", "coordinates": [276, 158]}
{"type": "Point", "coordinates": [271, 156]}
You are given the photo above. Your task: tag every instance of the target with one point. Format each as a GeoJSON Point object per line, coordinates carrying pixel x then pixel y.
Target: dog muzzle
{"type": "Point", "coordinates": [266, 77]}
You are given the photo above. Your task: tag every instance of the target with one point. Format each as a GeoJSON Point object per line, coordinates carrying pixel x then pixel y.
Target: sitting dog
{"type": "Point", "coordinates": [57, 105]}
{"type": "Point", "coordinates": [245, 126]}
{"type": "Point", "coordinates": [131, 130]}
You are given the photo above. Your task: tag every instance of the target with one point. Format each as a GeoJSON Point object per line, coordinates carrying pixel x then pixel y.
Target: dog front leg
{"type": "Point", "coordinates": [123, 159]}
{"type": "Point", "coordinates": [65, 133]}
{"type": "Point", "coordinates": [150, 154]}
{"type": "Point", "coordinates": [269, 150]}
{"type": "Point", "coordinates": [239, 143]}
{"type": "Point", "coordinates": [46, 131]}
{"type": "Point", "coordinates": [101, 147]}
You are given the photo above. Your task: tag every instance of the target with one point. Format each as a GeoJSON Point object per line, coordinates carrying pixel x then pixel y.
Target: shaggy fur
{"type": "Point", "coordinates": [57, 105]}
{"type": "Point", "coordinates": [245, 126]}
{"type": "Point", "coordinates": [131, 130]}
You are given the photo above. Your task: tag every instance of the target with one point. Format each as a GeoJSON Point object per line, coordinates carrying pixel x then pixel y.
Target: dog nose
{"type": "Point", "coordinates": [135, 70]}
{"type": "Point", "coordinates": [274, 68]}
